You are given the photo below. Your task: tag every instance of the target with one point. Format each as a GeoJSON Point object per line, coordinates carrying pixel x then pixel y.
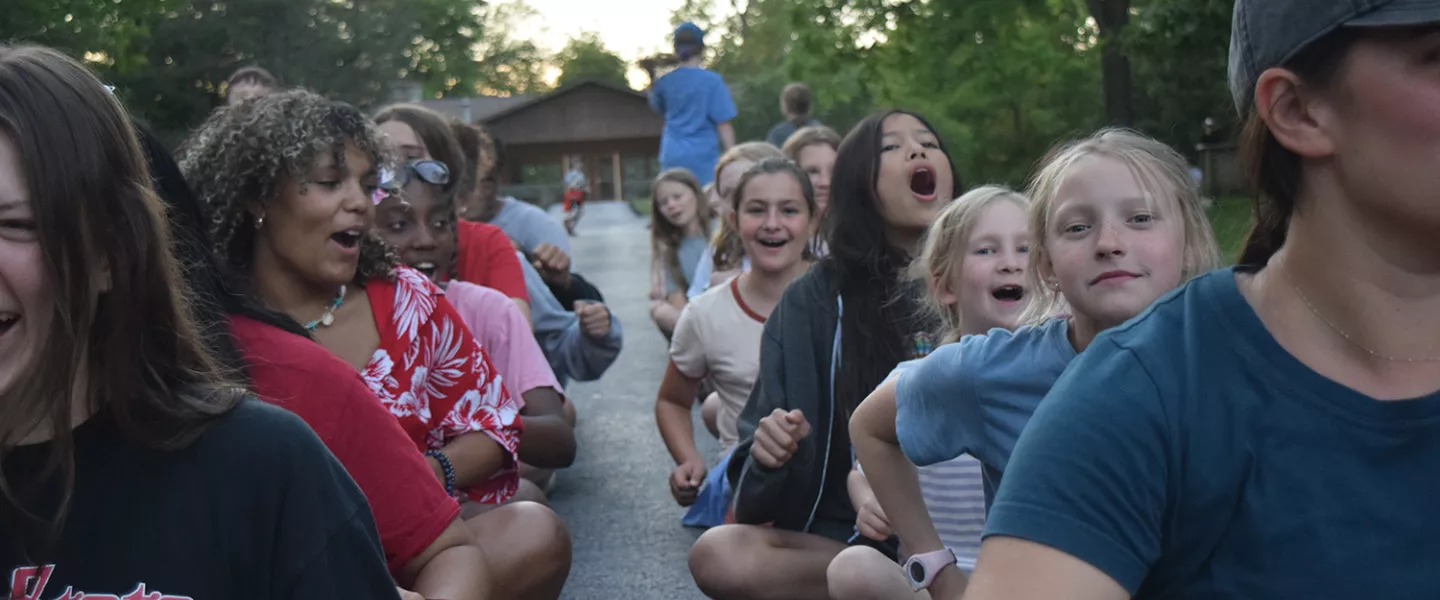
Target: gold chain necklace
{"type": "Point", "coordinates": [1347, 337]}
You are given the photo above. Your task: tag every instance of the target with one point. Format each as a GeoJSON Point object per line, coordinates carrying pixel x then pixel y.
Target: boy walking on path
{"type": "Point", "coordinates": [697, 108]}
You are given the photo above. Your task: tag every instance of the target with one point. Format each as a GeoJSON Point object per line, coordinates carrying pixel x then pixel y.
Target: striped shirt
{"type": "Point", "coordinates": [954, 493]}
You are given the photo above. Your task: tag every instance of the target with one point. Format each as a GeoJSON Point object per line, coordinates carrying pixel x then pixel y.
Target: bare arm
{"type": "Point", "coordinates": [474, 456]}
{"type": "Point", "coordinates": [896, 484]}
{"type": "Point", "coordinates": [451, 567]}
{"type": "Point", "coordinates": [727, 135]}
{"type": "Point", "coordinates": [673, 404]}
{"type": "Point", "coordinates": [549, 440]}
{"type": "Point", "coordinates": [858, 487]}
{"type": "Point", "coordinates": [666, 313]}
{"type": "Point", "coordinates": [1016, 569]}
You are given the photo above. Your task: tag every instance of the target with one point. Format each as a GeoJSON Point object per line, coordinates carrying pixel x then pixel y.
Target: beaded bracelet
{"type": "Point", "coordinates": [445, 466]}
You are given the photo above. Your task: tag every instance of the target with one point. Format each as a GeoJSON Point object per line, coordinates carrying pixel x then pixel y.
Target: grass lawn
{"type": "Point", "coordinates": [1230, 217]}
{"type": "Point", "coordinates": [641, 206]}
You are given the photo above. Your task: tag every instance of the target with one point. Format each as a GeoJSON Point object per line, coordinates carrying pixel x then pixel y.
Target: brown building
{"type": "Point", "coordinates": [611, 129]}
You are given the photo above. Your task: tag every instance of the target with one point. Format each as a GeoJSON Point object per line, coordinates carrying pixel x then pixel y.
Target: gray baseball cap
{"type": "Point", "coordinates": [1268, 33]}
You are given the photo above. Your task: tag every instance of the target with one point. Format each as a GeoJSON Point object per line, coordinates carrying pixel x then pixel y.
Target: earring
{"type": "Point", "coordinates": [260, 222]}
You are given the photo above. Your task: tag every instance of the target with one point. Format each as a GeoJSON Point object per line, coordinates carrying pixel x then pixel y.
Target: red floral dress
{"type": "Point", "coordinates": [436, 379]}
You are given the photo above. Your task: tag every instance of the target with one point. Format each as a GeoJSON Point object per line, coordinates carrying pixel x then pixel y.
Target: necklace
{"type": "Point", "coordinates": [329, 317]}
{"type": "Point", "coordinates": [1347, 337]}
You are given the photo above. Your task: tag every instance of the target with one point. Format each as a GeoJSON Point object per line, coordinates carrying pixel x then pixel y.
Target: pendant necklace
{"type": "Point", "coordinates": [1353, 342]}
{"type": "Point", "coordinates": [329, 317]}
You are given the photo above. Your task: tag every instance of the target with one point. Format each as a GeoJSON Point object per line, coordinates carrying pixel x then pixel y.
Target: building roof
{"type": "Point", "coordinates": [532, 100]}
{"type": "Point", "coordinates": [580, 112]}
{"type": "Point", "coordinates": [476, 109]}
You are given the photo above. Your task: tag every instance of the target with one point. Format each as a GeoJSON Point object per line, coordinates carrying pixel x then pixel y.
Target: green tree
{"type": "Point", "coordinates": [169, 58]}
{"type": "Point", "coordinates": [1013, 76]}
{"type": "Point", "coordinates": [509, 65]}
{"type": "Point", "coordinates": [1111, 18]}
{"type": "Point", "coordinates": [1180, 60]}
{"type": "Point", "coordinates": [585, 57]}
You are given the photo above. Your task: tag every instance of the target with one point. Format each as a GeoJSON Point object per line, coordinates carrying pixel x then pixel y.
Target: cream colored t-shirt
{"type": "Point", "coordinates": [718, 339]}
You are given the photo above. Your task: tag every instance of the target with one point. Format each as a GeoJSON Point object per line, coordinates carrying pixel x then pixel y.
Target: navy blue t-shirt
{"type": "Point", "coordinates": [1186, 454]}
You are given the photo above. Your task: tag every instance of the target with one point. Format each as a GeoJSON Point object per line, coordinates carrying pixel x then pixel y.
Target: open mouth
{"type": "Point", "coordinates": [922, 183]}
{"type": "Point", "coordinates": [1008, 293]}
{"type": "Point", "coordinates": [426, 267]}
{"type": "Point", "coordinates": [772, 243]}
{"type": "Point", "coordinates": [7, 322]}
{"type": "Point", "coordinates": [349, 238]}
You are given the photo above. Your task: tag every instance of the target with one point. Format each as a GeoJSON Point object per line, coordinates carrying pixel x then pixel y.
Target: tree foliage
{"type": "Point", "coordinates": [585, 58]}
{"type": "Point", "coordinates": [169, 58]}
{"type": "Point", "coordinates": [1001, 79]}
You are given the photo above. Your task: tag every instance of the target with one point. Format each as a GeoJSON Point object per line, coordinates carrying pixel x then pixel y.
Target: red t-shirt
{"type": "Point", "coordinates": [409, 503]}
{"type": "Point", "coordinates": [486, 256]}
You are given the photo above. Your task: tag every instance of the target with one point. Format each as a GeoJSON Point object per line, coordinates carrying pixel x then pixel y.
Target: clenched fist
{"type": "Point", "coordinates": [552, 263]}
{"type": "Point", "coordinates": [685, 482]}
{"type": "Point", "coordinates": [871, 521]}
{"type": "Point", "coordinates": [778, 437]}
{"type": "Point", "coordinates": [594, 319]}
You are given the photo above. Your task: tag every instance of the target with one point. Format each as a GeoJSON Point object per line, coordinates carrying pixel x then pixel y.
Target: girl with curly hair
{"type": "Point", "coordinates": [427, 545]}
{"type": "Point", "coordinates": [130, 465]}
{"type": "Point", "coordinates": [289, 181]}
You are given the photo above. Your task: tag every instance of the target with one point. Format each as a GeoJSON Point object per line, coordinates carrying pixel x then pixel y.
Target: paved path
{"type": "Point", "coordinates": [629, 544]}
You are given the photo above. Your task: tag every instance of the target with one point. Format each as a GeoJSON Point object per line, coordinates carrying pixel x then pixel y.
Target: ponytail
{"type": "Point", "coordinates": [1271, 170]}
{"type": "Point", "coordinates": [729, 248]}
{"type": "Point", "coordinates": [1273, 175]}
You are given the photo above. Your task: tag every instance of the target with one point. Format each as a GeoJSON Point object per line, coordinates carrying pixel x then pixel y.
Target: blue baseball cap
{"type": "Point", "coordinates": [1269, 33]}
{"type": "Point", "coordinates": [689, 33]}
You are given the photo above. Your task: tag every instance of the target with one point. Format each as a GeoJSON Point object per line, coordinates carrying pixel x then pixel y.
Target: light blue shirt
{"type": "Point", "coordinates": [975, 396]}
{"type": "Point", "coordinates": [701, 281]}
{"type": "Point", "coordinates": [689, 254]}
{"type": "Point", "coordinates": [530, 226]}
{"type": "Point", "coordinates": [571, 353]}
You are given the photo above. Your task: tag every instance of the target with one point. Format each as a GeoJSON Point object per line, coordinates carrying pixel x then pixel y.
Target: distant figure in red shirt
{"type": "Point", "coordinates": [575, 189]}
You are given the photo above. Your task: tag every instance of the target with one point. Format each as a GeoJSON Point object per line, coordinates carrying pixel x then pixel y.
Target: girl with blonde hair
{"type": "Point", "coordinates": [1270, 430]}
{"type": "Point", "coordinates": [1115, 222]}
{"type": "Point", "coordinates": [973, 266]}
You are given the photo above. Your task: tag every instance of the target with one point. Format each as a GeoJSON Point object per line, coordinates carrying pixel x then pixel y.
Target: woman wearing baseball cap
{"type": "Point", "coordinates": [1270, 430]}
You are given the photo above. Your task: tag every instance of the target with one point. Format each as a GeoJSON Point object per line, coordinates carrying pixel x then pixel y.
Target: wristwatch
{"type": "Point", "coordinates": [921, 569]}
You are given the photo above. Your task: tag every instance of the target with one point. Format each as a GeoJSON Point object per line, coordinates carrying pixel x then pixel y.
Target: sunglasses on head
{"type": "Point", "coordinates": [429, 171]}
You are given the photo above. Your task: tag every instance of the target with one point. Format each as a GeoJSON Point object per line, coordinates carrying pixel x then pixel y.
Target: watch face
{"type": "Point", "coordinates": [917, 571]}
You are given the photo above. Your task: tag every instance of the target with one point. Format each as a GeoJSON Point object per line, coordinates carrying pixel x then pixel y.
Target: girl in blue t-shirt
{"type": "Point", "coordinates": [679, 226]}
{"type": "Point", "coordinates": [697, 108]}
{"type": "Point", "coordinates": [973, 264]}
{"type": "Point", "coordinates": [1116, 222]}
{"type": "Point", "coordinates": [1271, 430]}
